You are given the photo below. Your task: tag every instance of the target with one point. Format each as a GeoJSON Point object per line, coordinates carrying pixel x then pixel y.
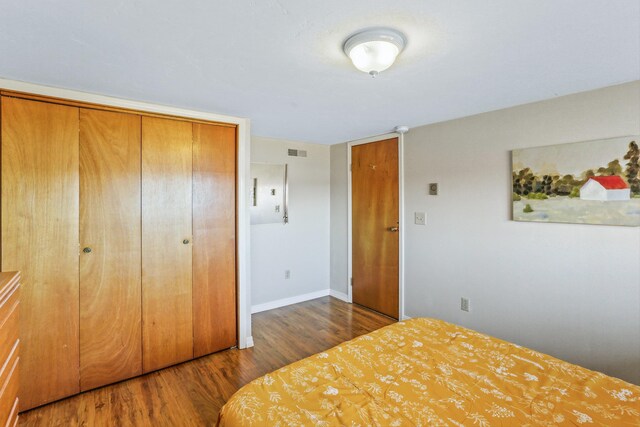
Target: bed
{"type": "Point", "coordinates": [427, 372]}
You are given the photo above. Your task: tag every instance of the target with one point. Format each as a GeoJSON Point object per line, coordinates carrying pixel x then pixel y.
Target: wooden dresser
{"type": "Point", "coordinates": [9, 346]}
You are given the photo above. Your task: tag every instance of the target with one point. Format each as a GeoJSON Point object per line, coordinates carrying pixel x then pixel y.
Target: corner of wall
{"type": "Point", "coordinates": [339, 280]}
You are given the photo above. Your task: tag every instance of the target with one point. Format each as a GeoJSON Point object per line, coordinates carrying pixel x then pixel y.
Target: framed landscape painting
{"type": "Point", "coordinates": [592, 182]}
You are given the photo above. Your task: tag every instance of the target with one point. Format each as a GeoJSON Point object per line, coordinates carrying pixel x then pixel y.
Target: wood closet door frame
{"type": "Point", "coordinates": [401, 215]}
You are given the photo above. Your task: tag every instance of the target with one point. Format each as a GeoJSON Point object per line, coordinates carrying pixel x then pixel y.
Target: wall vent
{"type": "Point", "coordinates": [297, 153]}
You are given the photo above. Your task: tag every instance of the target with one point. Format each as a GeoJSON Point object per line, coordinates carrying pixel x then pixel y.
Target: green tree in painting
{"type": "Point", "coordinates": [565, 185]}
{"type": "Point", "coordinates": [523, 182]}
{"type": "Point", "coordinates": [547, 184]}
{"type": "Point", "coordinates": [613, 168]}
{"type": "Point", "coordinates": [633, 167]}
{"type": "Point", "coordinates": [575, 192]}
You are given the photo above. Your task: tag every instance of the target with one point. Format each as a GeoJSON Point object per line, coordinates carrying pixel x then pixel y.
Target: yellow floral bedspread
{"type": "Point", "coordinates": [426, 372]}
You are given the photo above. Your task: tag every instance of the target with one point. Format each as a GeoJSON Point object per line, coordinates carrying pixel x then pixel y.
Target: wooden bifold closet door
{"type": "Point", "coordinates": [188, 229]}
{"type": "Point", "coordinates": [214, 238]}
{"type": "Point", "coordinates": [167, 327]}
{"type": "Point", "coordinates": [123, 226]}
{"type": "Point", "coordinates": [110, 248]}
{"type": "Point", "coordinates": [40, 239]}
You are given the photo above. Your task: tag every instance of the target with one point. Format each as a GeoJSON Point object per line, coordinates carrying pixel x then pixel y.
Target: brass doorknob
{"type": "Point", "coordinates": [185, 241]}
{"type": "Point", "coordinates": [393, 229]}
{"type": "Point", "coordinates": [87, 250]}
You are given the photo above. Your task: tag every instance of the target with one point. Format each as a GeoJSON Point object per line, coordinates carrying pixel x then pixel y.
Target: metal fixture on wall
{"type": "Point", "coordinates": [254, 192]}
{"type": "Point", "coordinates": [269, 198]}
{"type": "Point", "coordinates": [285, 217]}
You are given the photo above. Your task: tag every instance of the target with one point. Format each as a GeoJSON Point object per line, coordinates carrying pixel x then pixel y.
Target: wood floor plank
{"type": "Point", "coordinates": [192, 393]}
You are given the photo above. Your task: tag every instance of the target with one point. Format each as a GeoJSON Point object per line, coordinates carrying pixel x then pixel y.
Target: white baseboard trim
{"type": "Point", "coordinates": [405, 317]}
{"type": "Point", "coordinates": [249, 342]}
{"type": "Point", "coordinates": [340, 295]}
{"type": "Point", "coordinates": [288, 301]}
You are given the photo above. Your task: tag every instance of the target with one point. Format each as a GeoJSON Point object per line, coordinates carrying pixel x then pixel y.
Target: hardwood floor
{"type": "Point", "coordinates": [192, 393]}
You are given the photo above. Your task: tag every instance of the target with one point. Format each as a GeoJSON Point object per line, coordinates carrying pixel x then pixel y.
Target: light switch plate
{"type": "Point", "coordinates": [420, 218]}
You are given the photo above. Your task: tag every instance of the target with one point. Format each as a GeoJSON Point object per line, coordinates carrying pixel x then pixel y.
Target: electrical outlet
{"type": "Point", "coordinates": [464, 304]}
{"type": "Point", "coordinates": [419, 218]}
{"type": "Point", "coordinates": [287, 274]}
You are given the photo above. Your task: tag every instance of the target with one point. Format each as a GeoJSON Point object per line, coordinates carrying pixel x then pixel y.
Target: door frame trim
{"type": "Point", "coordinates": [350, 145]}
{"type": "Point", "coordinates": [245, 338]}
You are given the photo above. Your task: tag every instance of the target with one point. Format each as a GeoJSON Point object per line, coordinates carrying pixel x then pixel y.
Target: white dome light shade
{"type": "Point", "coordinates": [373, 56]}
{"type": "Point", "coordinates": [375, 50]}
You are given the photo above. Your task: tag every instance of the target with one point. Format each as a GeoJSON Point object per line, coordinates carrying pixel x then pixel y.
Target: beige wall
{"type": "Point", "coordinates": [339, 270]}
{"type": "Point", "coordinates": [302, 245]}
{"type": "Point", "coordinates": [572, 291]}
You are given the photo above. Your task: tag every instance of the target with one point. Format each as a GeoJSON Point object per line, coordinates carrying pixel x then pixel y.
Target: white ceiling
{"type": "Point", "coordinates": [280, 63]}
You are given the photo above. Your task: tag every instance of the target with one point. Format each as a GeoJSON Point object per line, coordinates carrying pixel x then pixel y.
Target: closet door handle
{"type": "Point", "coordinates": [185, 242]}
{"type": "Point", "coordinates": [87, 250]}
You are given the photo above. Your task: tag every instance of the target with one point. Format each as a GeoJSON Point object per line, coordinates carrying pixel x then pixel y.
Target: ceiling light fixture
{"type": "Point", "coordinates": [374, 50]}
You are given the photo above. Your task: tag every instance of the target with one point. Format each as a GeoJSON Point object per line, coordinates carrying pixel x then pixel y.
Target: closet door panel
{"type": "Point", "coordinates": [40, 239]}
{"type": "Point", "coordinates": [214, 238]}
{"type": "Point", "coordinates": [110, 273]}
{"type": "Point", "coordinates": [167, 331]}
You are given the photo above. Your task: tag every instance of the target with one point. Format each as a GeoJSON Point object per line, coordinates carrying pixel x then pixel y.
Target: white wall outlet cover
{"type": "Point", "coordinates": [420, 218]}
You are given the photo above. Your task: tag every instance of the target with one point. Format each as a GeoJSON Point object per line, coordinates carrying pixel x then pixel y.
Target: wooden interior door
{"type": "Point", "coordinates": [375, 219]}
{"type": "Point", "coordinates": [110, 248]}
{"type": "Point", "coordinates": [40, 239]}
{"type": "Point", "coordinates": [214, 238]}
{"type": "Point", "coordinates": [167, 326]}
